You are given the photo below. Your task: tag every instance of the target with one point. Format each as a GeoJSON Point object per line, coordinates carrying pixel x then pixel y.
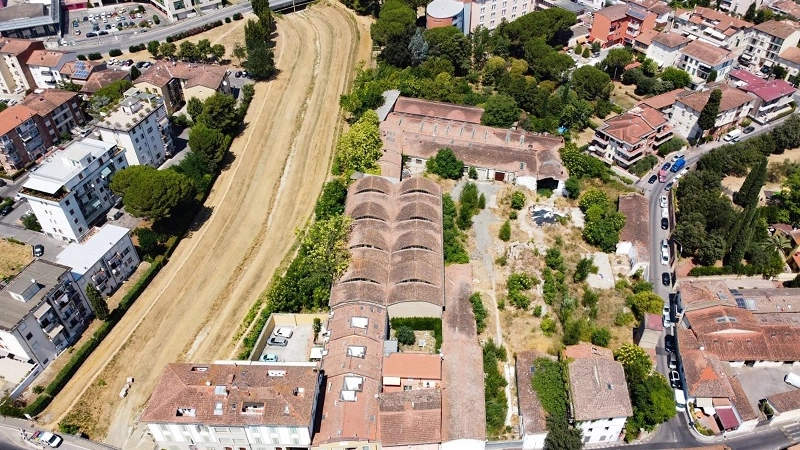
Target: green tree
{"type": "Point", "coordinates": [30, 222]}
{"type": "Point", "coordinates": [616, 60]}
{"type": "Point", "coordinates": [748, 194]}
{"type": "Point", "coordinates": [97, 302]}
{"type": "Point", "coordinates": [260, 62]}
{"type": "Point", "coordinates": [148, 241]}
{"type": "Point", "coordinates": [446, 165]}
{"type": "Point", "coordinates": [151, 193]}
{"type": "Point", "coordinates": [582, 269]}
{"type": "Point", "coordinates": [153, 47]}
{"type": "Point", "coordinates": [708, 116]}
{"type": "Point", "coordinates": [573, 187]}
{"type": "Point", "coordinates": [560, 436]}
{"type": "Point", "coordinates": [750, 15]}
{"type": "Point", "coordinates": [405, 336]}
{"type": "Point", "coordinates": [653, 402]}
{"type": "Point", "coordinates": [209, 144]}
{"type": "Point", "coordinates": [418, 47]}
{"type": "Point", "coordinates": [635, 361]}
{"type": "Point", "coordinates": [601, 337]}
{"type": "Point", "coordinates": [679, 78]}
{"type": "Point", "coordinates": [517, 200]}
{"type": "Point", "coordinates": [479, 311]}
{"type": "Point", "coordinates": [591, 83]}
{"type": "Point", "coordinates": [188, 51]}
{"type": "Point", "coordinates": [500, 111]}
{"type": "Point", "coordinates": [548, 382]}
{"type": "Point", "coordinates": [712, 76]}
{"type": "Point", "coordinates": [505, 231]}
{"type": "Point", "coordinates": [645, 302]}
{"type": "Point", "coordinates": [239, 52]}
{"type": "Point", "coordinates": [194, 107]}
{"type": "Point", "coordinates": [393, 21]}
{"type": "Point", "coordinates": [360, 147]}
{"type": "Point", "coordinates": [451, 44]}
{"type": "Point", "coordinates": [167, 49]}
{"type": "Point", "coordinates": [219, 113]}
{"type": "Point", "coordinates": [331, 201]}
{"type": "Point", "coordinates": [576, 115]}
{"type": "Point", "coordinates": [262, 10]}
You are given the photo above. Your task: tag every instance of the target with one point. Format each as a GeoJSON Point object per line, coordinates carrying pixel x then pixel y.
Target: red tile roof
{"type": "Point", "coordinates": [706, 53]}
{"type": "Point", "coordinates": [439, 110]}
{"type": "Point", "coordinates": [781, 29]}
{"type": "Point", "coordinates": [46, 58]}
{"type": "Point", "coordinates": [785, 401]}
{"type": "Point", "coordinates": [530, 408]}
{"type": "Point", "coordinates": [732, 98]}
{"type": "Point", "coordinates": [636, 210]}
{"type": "Point", "coordinates": [49, 99]}
{"type": "Point", "coordinates": [103, 78]}
{"type": "Point", "coordinates": [599, 390]}
{"type": "Point", "coordinates": [667, 99]}
{"type": "Point", "coordinates": [771, 90]}
{"type": "Point", "coordinates": [635, 125]}
{"type": "Point", "coordinates": [14, 46]}
{"type": "Point", "coordinates": [14, 116]}
{"type": "Point", "coordinates": [420, 366]}
{"type": "Point", "coordinates": [410, 418]}
{"type": "Point", "coordinates": [208, 75]}
{"type": "Point", "coordinates": [791, 54]}
{"type": "Point", "coordinates": [671, 40]}
{"type": "Point", "coordinates": [584, 350]}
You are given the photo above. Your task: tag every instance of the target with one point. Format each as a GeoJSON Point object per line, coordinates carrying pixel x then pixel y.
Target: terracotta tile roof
{"type": "Point", "coordinates": [46, 58]}
{"type": "Point", "coordinates": [193, 74]}
{"type": "Point", "coordinates": [660, 8]}
{"type": "Point", "coordinates": [420, 366]}
{"type": "Point", "coordinates": [781, 29]}
{"type": "Point", "coordinates": [723, 320]}
{"type": "Point", "coordinates": [635, 125]}
{"type": "Point", "coordinates": [636, 210]}
{"type": "Point", "coordinates": [355, 420]}
{"type": "Point", "coordinates": [14, 46]}
{"type": "Point", "coordinates": [338, 360]}
{"type": "Point", "coordinates": [646, 36]}
{"type": "Point", "coordinates": [718, 20]}
{"type": "Point", "coordinates": [410, 418]}
{"type": "Point", "coordinates": [732, 98]}
{"type": "Point", "coordinates": [653, 322]}
{"type": "Point", "coordinates": [439, 110]}
{"type": "Point", "coordinates": [14, 116]}
{"type": "Point", "coordinates": [791, 54]}
{"type": "Point", "coordinates": [785, 401]}
{"type": "Point", "coordinates": [740, 401]}
{"type": "Point", "coordinates": [599, 390]}
{"type": "Point", "coordinates": [530, 408]}
{"type": "Point", "coordinates": [665, 100]}
{"type": "Point", "coordinates": [706, 53]}
{"type": "Point", "coordinates": [701, 294]}
{"type": "Point", "coordinates": [463, 407]}
{"type": "Point", "coordinates": [788, 7]}
{"type": "Point", "coordinates": [45, 102]}
{"type": "Point", "coordinates": [671, 40]}
{"type": "Point", "coordinates": [269, 389]}
{"type": "Point", "coordinates": [73, 67]}
{"type": "Point", "coordinates": [614, 12]}
{"type": "Point", "coordinates": [585, 350]}
{"type": "Point", "coordinates": [770, 90]}
{"type": "Point", "coordinates": [705, 376]}
{"type": "Point", "coordinates": [103, 78]}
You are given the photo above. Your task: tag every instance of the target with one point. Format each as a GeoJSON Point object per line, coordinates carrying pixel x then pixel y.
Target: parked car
{"type": "Point", "coordinates": [664, 245]}
{"type": "Point", "coordinates": [664, 223]}
{"type": "Point", "coordinates": [269, 357]}
{"type": "Point", "coordinates": [77, 32]}
{"type": "Point", "coordinates": [672, 363]}
{"type": "Point", "coordinates": [108, 26]}
{"type": "Point", "coordinates": [102, 33]}
{"type": "Point", "coordinates": [238, 74]}
{"type": "Point", "coordinates": [677, 157]}
{"type": "Point", "coordinates": [666, 280]}
{"type": "Point", "coordinates": [674, 379]}
{"type": "Point", "coordinates": [38, 250]}
{"type": "Point", "coordinates": [6, 210]}
{"type": "Point", "coordinates": [664, 257]}
{"type": "Point", "coordinates": [663, 201]}
{"type": "Point", "coordinates": [283, 332]}
{"type": "Point", "coordinates": [2, 182]}
{"type": "Point", "coordinates": [652, 179]}
{"type": "Point", "coordinates": [748, 130]}
{"type": "Point", "coordinates": [91, 34]}
{"type": "Point", "coordinates": [666, 166]}
{"type": "Point", "coordinates": [278, 341]}
{"type": "Point", "coordinates": [669, 343]}
{"type": "Point", "coordinates": [47, 438]}
{"type": "Point", "coordinates": [669, 185]}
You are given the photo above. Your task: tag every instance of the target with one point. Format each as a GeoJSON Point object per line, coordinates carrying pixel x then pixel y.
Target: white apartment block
{"type": "Point", "coordinates": [489, 13]}
{"type": "Point", "coordinates": [602, 430]}
{"type": "Point", "coordinates": [714, 27]}
{"type": "Point", "coordinates": [45, 67]}
{"type": "Point", "coordinates": [242, 405]}
{"type": "Point", "coordinates": [766, 41]}
{"type": "Point", "coordinates": [140, 126]}
{"type": "Point", "coordinates": [69, 191]}
{"type": "Point", "coordinates": [184, 9]}
{"type": "Point", "coordinates": [700, 59]}
{"type": "Point", "coordinates": [734, 107]}
{"type": "Point", "coordinates": [105, 259]}
{"type": "Point", "coordinates": [665, 46]}
{"type": "Point", "coordinates": [14, 73]}
{"type": "Point", "coordinates": [43, 313]}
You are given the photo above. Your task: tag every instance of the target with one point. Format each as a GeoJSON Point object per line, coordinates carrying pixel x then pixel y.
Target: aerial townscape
{"type": "Point", "coordinates": [400, 224]}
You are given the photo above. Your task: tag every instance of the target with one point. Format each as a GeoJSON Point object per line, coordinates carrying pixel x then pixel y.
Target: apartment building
{"type": "Point", "coordinates": [20, 139]}
{"type": "Point", "coordinates": [629, 137]}
{"type": "Point", "coordinates": [105, 258]}
{"type": "Point", "coordinates": [620, 24]}
{"type": "Point", "coordinates": [773, 97]}
{"type": "Point", "coordinates": [489, 13]}
{"type": "Point", "coordinates": [664, 48]}
{"type": "Point", "coordinates": [45, 67]}
{"type": "Point", "coordinates": [734, 107]}
{"type": "Point", "coordinates": [69, 191]}
{"type": "Point", "coordinates": [44, 312]}
{"type": "Point", "coordinates": [30, 19]}
{"type": "Point", "coordinates": [140, 126]}
{"type": "Point", "coordinates": [184, 9]}
{"type": "Point", "coordinates": [790, 59]}
{"type": "Point", "coordinates": [661, 9]}
{"type": "Point", "coordinates": [785, 7]}
{"type": "Point", "coordinates": [701, 59]}
{"type": "Point", "coordinates": [767, 40]}
{"type": "Point", "coordinates": [714, 27]}
{"type": "Point", "coordinates": [250, 406]}
{"type": "Point", "coordinates": [177, 82]}
{"type": "Point", "coordinates": [59, 110]}
{"type": "Point", "coordinates": [14, 73]}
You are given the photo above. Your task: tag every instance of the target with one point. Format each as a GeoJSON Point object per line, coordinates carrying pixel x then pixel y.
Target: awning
{"type": "Point", "coordinates": [727, 417]}
{"type": "Point", "coordinates": [42, 310]}
{"type": "Point", "coordinates": [42, 185]}
{"type": "Point", "coordinates": [703, 402]}
{"type": "Point", "coordinates": [316, 353]}
{"type": "Point", "coordinates": [54, 332]}
{"type": "Point", "coordinates": [391, 381]}
{"type": "Point", "coordinates": [105, 172]}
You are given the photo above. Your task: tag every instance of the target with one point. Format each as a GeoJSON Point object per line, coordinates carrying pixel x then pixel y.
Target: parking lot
{"type": "Point", "coordinates": [761, 382]}
{"type": "Point", "coordinates": [92, 21]}
{"type": "Point", "coordinates": [299, 347]}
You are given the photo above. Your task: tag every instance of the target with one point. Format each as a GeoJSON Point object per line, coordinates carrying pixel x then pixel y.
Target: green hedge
{"type": "Point", "coordinates": [421, 324]}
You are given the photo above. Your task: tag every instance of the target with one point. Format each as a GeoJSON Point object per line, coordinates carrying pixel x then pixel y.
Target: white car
{"type": "Point", "coordinates": [283, 332]}
{"type": "Point", "coordinates": [665, 315]}
{"type": "Point", "coordinates": [52, 440]}
{"type": "Point", "coordinates": [677, 157]}
{"type": "Point", "coordinates": [663, 201]}
{"type": "Point", "coordinates": [664, 245]}
{"type": "Point", "coordinates": [664, 257]}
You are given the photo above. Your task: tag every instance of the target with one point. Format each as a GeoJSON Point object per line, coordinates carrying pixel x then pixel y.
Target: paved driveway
{"type": "Point", "coordinates": [761, 382]}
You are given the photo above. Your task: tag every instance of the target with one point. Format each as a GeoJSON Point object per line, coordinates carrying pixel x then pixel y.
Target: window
{"type": "Point", "coordinates": [80, 229]}
{"type": "Point", "coordinates": [66, 202]}
{"type": "Point", "coordinates": [29, 336]}
{"type": "Point", "coordinates": [75, 220]}
{"type": "Point", "coordinates": [137, 140]}
{"type": "Point", "coordinates": [71, 212]}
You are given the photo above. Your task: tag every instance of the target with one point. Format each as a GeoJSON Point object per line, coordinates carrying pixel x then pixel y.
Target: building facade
{"type": "Point", "coordinates": [58, 110]}
{"type": "Point", "coordinates": [773, 97]}
{"type": "Point", "coordinates": [32, 19]}
{"type": "Point", "coordinates": [714, 27]}
{"type": "Point", "coordinates": [766, 41]}
{"type": "Point", "coordinates": [69, 192]}
{"type": "Point", "coordinates": [665, 47]}
{"type": "Point", "coordinates": [20, 139]}
{"type": "Point", "coordinates": [106, 259]}
{"type": "Point", "coordinates": [627, 138]}
{"type": "Point", "coordinates": [184, 9]}
{"type": "Point", "coordinates": [734, 107]}
{"type": "Point", "coordinates": [620, 24]}
{"type": "Point", "coordinates": [14, 73]}
{"type": "Point", "coordinates": [600, 401]}
{"type": "Point", "coordinates": [705, 62]}
{"type": "Point", "coordinates": [176, 83]}
{"type": "Point", "coordinates": [45, 67]}
{"type": "Point", "coordinates": [141, 127]}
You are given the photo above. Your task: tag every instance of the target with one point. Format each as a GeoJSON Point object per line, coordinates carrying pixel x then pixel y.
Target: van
{"type": "Point", "coordinates": [732, 136]}
{"type": "Point", "coordinates": [665, 213]}
{"type": "Point", "coordinates": [792, 380]}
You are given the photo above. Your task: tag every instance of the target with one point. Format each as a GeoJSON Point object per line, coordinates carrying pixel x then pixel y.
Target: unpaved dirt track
{"type": "Point", "coordinates": [195, 305]}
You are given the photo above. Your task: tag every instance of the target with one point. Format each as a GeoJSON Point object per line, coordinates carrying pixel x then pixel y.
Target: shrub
{"type": "Point", "coordinates": [512, 215]}
{"type": "Point", "coordinates": [446, 165]}
{"type": "Point", "coordinates": [623, 319]}
{"type": "Point", "coordinates": [237, 16]}
{"type": "Point", "coordinates": [586, 53]}
{"type": "Point", "coordinates": [473, 173]}
{"type": "Point", "coordinates": [156, 19]}
{"type": "Point", "coordinates": [572, 187]}
{"type": "Point", "coordinates": [115, 52]}
{"type": "Point", "coordinates": [38, 389]}
{"type": "Point", "coordinates": [601, 337]}
{"type": "Point", "coordinates": [68, 428]}
{"type": "Point", "coordinates": [95, 56]}
{"type": "Point", "coordinates": [82, 57]}
{"type": "Point", "coordinates": [702, 271]}
{"type": "Point", "coordinates": [479, 310]}
{"type": "Point", "coordinates": [505, 231]}
{"type": "Point", "coordinates": [405, 336]}
{"type": "Point", "coordinates": [548, 326]}
{"type": "Point", "coordinates": [517, 200]}
{"type": "Point", "coordinates": [227, 20]}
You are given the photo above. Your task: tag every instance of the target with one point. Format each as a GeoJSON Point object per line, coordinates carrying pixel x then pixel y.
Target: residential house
{"type": "Point", "coordinates": [769, 39]}
{"type": "Point", "coordinates": [44, 311]}
{"type": "Point", "coordinates": [786, 8]}
{"type": "Point", "coordinates": [600, 401]}
{"type": "Point", "coordinates": [665, 47]}
{"type": "Point", "coordinates": [140, 126]}
{"type": "Point", "coordinates": [78, 72]}
{"type": "Point", "coordinates": [31, 19]}
{"type": "Point", "coordinates": [103, 78]}
{"type": "Point", "coordinates": [773, 97]}
{"type": "Point", "coordinates": [634, 239]}
{"type": "Point", "coordinates": [734, 107]}
{"type": "Point", "coordinates": [69, 192]}
{"type": "Point", "coordinates": [714, 27]}
{"type": "Point", "coordinates": [177, 82]}
{"type": "Point", "coordinates": [532, 426]}
{"type": "Point", "coordinates": [705, 62]}
{"type": "Point", "coordinates": [59, 110]}
{"type": "Point", "coordinates": [628, 137]}
{"type": "Point", "coordinates": [664, 102]}
{"type": "Point", "coordinates": [649, 331]}
{"type": "Point", "coordinates": [661, 9]}
{"type": "Point", "coordinates": [14, 73]}
{"type": "Point", "coordinates": [251, 404]}
{"type": "Point", "coordinates": [20, 138]}
{"type": "Point", "coordinates": [785, 407]}
{"type": "Point", "coordinates": [418, 129]}
{"type": "Point", "coordinates": [644, 40]}
{"type": "Point", "coordinates": [790, 59]}
{"type": "Point", "coordinates": [46, 65]}
{"type": "Point", "coordinates": [410, 419]}
{"type": "Point", "coordinates": [620, 24]}
{"type": "Point", "coordinates": [183, 9]}
{"type": "Point", "coordinates": [105, 259]}
{"type": "Point", "coordinates": [405, 371]}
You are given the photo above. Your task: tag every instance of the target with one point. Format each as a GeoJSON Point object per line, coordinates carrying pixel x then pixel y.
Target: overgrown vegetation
{"type": "Point", "coordinates": [603, 221]}
{"type": "Point", "coordinates": [479, 310]}
{"type": "Point", "coordinates": [430, 324]}
{"type": "Point", "coordinates": [446, 165]}
{"type": "Point", "coordinates": [550, 383]}
{"type": "Point", "coordinates": [453, 238]}
{"type": "Point", "coordinates": [494, 388]}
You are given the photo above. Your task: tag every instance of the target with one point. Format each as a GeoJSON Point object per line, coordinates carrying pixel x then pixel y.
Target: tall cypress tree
{"type": "Point", "coordinates": [97, 302]}
{"type": "Point", "coordinates": [708, 116]}
{"type": "Point", "coordinates": [751, 187]}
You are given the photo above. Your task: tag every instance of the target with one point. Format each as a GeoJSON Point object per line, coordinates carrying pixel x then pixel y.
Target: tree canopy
{"type": "Point", "coordinates": [360, 147]}
{"type": "Point", "coordinates": [395, 18]}
{"type": "Point", "coordinates": [151, 193]}
{"type": "Point", "coordinates": [500, 111]}
{"type": "Point", "coordinates": [209, 144]}
{"type": "Point", "coordinates": [708, 116]}
{"type": "Point", "coordinates": [591, 83]}
{"type": "Point", "coordinates": [219, 113]}
{"type": "Point", "coordinates": [446, 165]}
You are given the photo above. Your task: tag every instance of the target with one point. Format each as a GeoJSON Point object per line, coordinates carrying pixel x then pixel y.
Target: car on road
{"type": "Point", "coordinates": [2, 182]}
{"type": "Point", "coordinates": [91, 34]}
{"type": "Point", "coordinates": [669, 186]}
{"type": "Point", "coordinates": [666, 166]}
{"type": "Point", "coordinates": [38, 250]}
{"type": "Point", "coordinates": [278, 341]}
{"type": "Point", "coordinates": [748, 130]}
{"type": "Point", "coordinates": [663, 201]}
{"type": "Point", "coordinates": [669, 343]}
{"type": "Point", "coordinates": [677, 157]}
{"type": "Point", "coordinates": [102, 33]}
{"type": "Point", "coordinates": [664, 245]}
{"type": "Point", "coordinates": [674, 379]}
{"type": "Point", "coordinates": [238, 74]}
{"type": "Point", "coordinates": [664, 257]}
{"type": "Point", "coordinates": [77, 32]}
{"type": "Point", "coordinates": [283, 332]}
{"type": "Point", "coordinates": [652, 179]}
{"type": "Point", "coordinates": [671, 362]}
{"type": "Point", "coordinates": [664, 223]}
{"type": "Point", "coordinates": [6, 210]}
{"type": "Point", "coordinates": [108, 26]}
{"type": "Point", "coordinates": [47, 438]}
{"type": "Point", "coordinates": [269, 357]}
{"type": "Point", "coordinates": [666, 279]}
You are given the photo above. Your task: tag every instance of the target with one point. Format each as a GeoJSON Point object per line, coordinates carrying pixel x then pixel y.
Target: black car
{"type": "Point", "coordinates": [666, 279]}
{"type": "Point", "coordinates": [666, 166]}
{"type": "Point", "coordinates": [38, 250]}
{"type": "Point", "coordinates": [2, 182]}
{"type": "Point", "coordinates": [108, 26]}
{"type": "Point", "coordinates": [6, 210]}
{"type": "Point", "coordinates": [748, 130]}
{"type": "Point", "coordinates": [765, 70]}
{"type": "Point", "coordinates": [238, 74]}
{"type": "Point", "coordinates": [102, 33]}
{"type": "Point", "coordinates": [91, 34]}
{"type": "Point", "coordinates": [669, 343]}
{"type": "Point", "coordinates": [675, 379]}
{"type": "Point", "coordinates": [652, 179]}
{"type": "Point", "coordinates": [664, 223]}
{"type": "Point", "coordinates": [668, 186]}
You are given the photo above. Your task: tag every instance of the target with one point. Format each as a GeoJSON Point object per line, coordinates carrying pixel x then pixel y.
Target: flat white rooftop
{"type": "Point", "coordinates": [81, 257]}
{"type": "Point", "coordinates": [64, 165]}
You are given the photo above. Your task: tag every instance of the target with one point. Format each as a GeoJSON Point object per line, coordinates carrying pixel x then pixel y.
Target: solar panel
{"type": "Point", "coordinates": [80, 65]}
{"type": "Point", "coordinates": [741, 303]}
{"type": "Point", "coordinates": [81, 74]}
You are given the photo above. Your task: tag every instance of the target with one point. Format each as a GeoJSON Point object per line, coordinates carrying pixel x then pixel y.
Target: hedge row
{"type": "Point", "coordinates": [421, 324]}
{"type": "Point", "coordinates": [136, 48]}
{"type": "Point", "coordinates": [193, 31]}
{"type": "Point", "coordinates": [703, 271]}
